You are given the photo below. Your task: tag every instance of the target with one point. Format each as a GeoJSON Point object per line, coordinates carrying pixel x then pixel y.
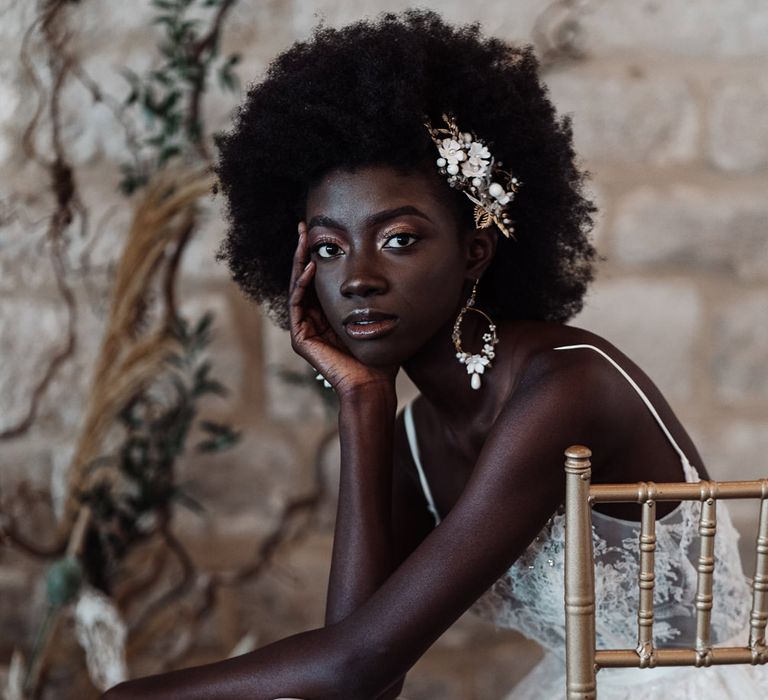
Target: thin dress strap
{"type": "Point", "coordinates": [688, 469]}
{"type": "Point", "coordinates": [410, 431]}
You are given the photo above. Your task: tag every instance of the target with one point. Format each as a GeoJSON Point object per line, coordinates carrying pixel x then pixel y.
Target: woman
{"type": "Point", "coordinates": [442, 229]}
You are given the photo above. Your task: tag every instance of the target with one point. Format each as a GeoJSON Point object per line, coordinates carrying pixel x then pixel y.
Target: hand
{"type": "Point", "coordinates": [313, 338]}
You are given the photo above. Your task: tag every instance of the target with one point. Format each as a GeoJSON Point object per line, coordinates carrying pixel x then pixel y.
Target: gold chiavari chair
{"type": "Point", "coordinates": [583, 660]}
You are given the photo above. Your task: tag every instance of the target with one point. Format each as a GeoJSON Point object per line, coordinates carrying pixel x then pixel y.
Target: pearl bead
{"type": "Point", "coordinates": [496, 190]}
{"type": "Point", "coordinates": [453, 169]}
{"type": "Point", "coordinates": [441, 162]}
{"type": "Point", "coordinates": [476, 181]}
{"type": "Point", "coordinates": [467, 137]}
{"type": "Point", "coordinates": [460, 156]}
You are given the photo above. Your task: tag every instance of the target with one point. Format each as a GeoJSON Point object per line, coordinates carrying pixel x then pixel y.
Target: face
{"type": "Point", "coordinates": [391, 262]}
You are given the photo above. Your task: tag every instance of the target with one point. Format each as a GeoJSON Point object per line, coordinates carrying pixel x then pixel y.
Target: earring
{"type": "Point", "coordinates": [475, 364]}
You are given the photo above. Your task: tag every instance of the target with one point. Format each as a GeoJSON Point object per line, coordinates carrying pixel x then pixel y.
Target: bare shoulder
{"type": "Point", "coordinates": [565, 360]}
{"type": "Point", "coordinates": [615, 398]}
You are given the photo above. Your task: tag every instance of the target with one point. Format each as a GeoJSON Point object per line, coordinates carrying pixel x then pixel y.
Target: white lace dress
{"type": "Point", "coordinates": [529, 598]}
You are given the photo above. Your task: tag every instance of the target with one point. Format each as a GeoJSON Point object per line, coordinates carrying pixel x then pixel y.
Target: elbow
{"type": "Point", "coordinates": [368, 673]}
{"type": "Point", "coordinates": [117, 692]}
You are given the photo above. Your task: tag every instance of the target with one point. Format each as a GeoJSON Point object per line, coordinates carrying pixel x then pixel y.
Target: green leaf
{"type": "Point", "coordinates": [210, 386]}
{"type": "Point", "coordinates": [192, 504]}
{"type": "Point", "coordinates": [156, 140]}
{"type": "Point", "coordinates": [214, 428]}
{"type": "Point", "coordinates": [167, 153]}
{"type": "Point", "coordinates": [201, 373]}
{"type": "Point", "coordinates": [219, 443]}
{"type": "Point", "coordinates": [228, 80]}
{"type": "Point", "coordinates": [164, 19]}
{"type": "Point", "coordinates": [204, 325]}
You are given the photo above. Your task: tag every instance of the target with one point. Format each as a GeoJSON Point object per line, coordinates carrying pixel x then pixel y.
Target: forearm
{"type": "Point", "coordinates": [362, 548]}
{"type": "Point", "coordinates": [307, 665]}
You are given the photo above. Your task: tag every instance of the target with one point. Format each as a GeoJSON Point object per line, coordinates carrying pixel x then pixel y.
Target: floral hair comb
{"type": "Point", "coordinates": [470, 167]}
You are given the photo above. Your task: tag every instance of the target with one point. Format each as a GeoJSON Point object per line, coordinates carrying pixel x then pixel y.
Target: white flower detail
{"type": "Point", "coordinates": [478, 160]}
{"type": "Point", "coordinates": [451, 150]}
{"type": "Point", "coordinates": [476, 364]}
{"type": "Point", "coordinates": [488, 349]}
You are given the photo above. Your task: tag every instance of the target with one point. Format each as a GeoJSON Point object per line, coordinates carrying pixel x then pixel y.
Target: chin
{"type": "Point", "coordinates": [379, 353]}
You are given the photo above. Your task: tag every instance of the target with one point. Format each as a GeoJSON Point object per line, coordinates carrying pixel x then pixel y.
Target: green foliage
{"type": "Point", "coordinates": [156, 425]}
{"type": "Point", "coordinates": [168, 95]}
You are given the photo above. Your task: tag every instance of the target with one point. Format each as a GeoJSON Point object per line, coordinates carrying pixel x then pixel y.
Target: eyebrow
{"type": "Point", "coordinates": [373, 220]}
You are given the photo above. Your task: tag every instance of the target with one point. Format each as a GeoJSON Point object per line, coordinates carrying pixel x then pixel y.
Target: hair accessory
{"type": "Point", "coordinates": [470, 167]}
{"type": "Point", "coordinates": [476, 364]}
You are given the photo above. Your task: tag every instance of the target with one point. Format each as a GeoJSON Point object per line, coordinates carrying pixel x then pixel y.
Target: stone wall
{"type": "Point", "coordinates": [668, 102]}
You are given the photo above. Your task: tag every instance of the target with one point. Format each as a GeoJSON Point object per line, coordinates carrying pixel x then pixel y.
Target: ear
{"type": "Point", "coordinates": [480, 249]}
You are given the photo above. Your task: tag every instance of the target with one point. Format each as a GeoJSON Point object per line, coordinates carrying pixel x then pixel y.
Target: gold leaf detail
{"type": "Point", "coordinates": [482, 218]}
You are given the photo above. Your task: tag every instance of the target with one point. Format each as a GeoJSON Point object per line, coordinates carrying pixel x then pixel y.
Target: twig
{"type": "Point", "coordinates": [64, 190]}
{"type": "Point", "coordinates": [206, 43]}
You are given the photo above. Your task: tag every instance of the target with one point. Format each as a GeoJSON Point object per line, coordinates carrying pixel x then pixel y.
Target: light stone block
{"type": "Point", "coordinates": [740, 349]}
{"type": "Point", "coordinates": [705, 28]}
{"type": "Point", "coordinates": [656, 323]}
{"type": "Point", "coordinates": [738, 139]}
{"type": "Point", "coordinates": [639, 119]}
{"type": "Point", "coordinates": [199, 259]}
{"type": "Point", "coordinates": [9, 102]}
{"type": "Point", "coordinates": [510, 21]}
{"type": "Point", "coordinates": [736, 449]}
{"type": "Point", "coordinates": [696, 229]}
{"type": "Point", "coordinates": [31, 332]}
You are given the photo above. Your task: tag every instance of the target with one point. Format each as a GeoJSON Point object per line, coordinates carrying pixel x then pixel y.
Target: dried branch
{"type": "Point", "coordinates": [206, 43]}
{"type": "Point", "coordinates": [63, 187]}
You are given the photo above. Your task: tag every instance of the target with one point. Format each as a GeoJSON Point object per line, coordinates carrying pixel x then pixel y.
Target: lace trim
{"type": "Point", "coordinates": [528, 597]}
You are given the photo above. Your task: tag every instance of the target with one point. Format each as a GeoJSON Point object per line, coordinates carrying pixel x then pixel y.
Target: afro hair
{"type": "Point", "coordinates": [359, 96]}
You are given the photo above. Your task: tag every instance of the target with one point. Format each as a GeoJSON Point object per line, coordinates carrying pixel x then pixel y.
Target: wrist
{"type": "Point", "coordinates": [372, 392]}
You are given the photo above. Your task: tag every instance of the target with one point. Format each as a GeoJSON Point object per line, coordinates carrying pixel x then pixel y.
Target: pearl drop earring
{"type": "Point", "coordinates": [475, 363]}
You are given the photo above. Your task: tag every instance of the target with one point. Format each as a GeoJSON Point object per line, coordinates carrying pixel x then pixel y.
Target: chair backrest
{"type": "Point", "coordinates": [583, 660]}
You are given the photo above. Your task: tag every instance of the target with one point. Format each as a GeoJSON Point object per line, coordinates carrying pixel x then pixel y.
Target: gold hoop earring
{"type": "Point", "coordinates": [477, 363]}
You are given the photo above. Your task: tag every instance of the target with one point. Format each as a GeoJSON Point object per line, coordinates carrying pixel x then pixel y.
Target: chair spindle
{"type": "Point", "coordinates": [647, 578]}
{"type": "Point", "coordinates": [758, 616]}
{"type": "Point", "coordinates": [705, 567]}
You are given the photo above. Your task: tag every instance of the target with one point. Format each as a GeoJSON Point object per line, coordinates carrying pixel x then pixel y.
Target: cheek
{"type": "Point", "coordinates": [326, 290]}
{"type": "Point", "coordinates": [439, 284]}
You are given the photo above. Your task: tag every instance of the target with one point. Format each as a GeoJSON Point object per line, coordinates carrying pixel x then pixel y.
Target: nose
{"type": "Point", "coordinates": [363, 280]}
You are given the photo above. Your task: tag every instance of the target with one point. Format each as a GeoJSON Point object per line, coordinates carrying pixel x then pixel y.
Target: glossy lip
{"type": "Point", "coordinates": [368, 324]}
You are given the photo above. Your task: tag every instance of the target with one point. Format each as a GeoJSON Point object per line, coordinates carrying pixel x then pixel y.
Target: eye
{"type": "Point", "coordinates": [327, 250]}
{"type": "Point", "coordinates": [401, 240]}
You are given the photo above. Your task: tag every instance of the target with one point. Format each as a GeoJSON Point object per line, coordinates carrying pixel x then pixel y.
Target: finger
{"type": "Point", "coordinates": [302, 283]}
{"type": "Point", "coordinates": [301, 254]}
{"type": "Point", "coordinates": [296, 308]}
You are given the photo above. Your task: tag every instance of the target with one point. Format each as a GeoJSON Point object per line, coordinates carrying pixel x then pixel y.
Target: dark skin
{"type": "Point", "coordinates": [381, 242]}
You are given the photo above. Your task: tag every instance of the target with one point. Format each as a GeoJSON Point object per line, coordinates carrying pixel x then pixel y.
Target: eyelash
{"type": "Point", "coordinates": [320, 244]}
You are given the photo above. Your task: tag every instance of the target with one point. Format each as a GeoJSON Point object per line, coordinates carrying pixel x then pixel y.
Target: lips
{"type": "Point", "coordinates": [368, 324]}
